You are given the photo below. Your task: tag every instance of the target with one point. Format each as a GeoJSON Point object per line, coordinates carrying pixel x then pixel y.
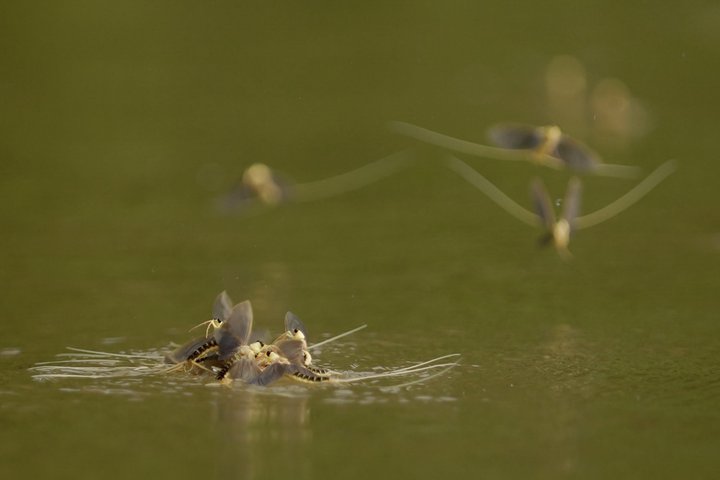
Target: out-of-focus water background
{"type": "Point", "coordinates": [123, 123]}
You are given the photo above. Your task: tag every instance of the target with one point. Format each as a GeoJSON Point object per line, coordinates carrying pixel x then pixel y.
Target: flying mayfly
{"type": "Point", "coordinates": [546, 145]}
{"type": "Point", "coordinates": [261, 185]}
{"type": "Point", "coordinates": [559, 231]}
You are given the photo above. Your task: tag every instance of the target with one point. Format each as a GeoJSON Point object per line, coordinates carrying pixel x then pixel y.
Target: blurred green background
{"type": "Point", "coordinates": [123, 123]}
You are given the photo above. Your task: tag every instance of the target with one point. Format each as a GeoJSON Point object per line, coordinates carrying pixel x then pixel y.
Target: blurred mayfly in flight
{"type": "Point", "coordinates": [547, 146]}
{"type": "Point", "coordinates": [262, 185]}
{"type": "Point", "coordinates": [559, 230]}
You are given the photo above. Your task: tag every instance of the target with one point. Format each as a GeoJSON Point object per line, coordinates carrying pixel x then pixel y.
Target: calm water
{"type": "Point", "coordinates": [123, 123]}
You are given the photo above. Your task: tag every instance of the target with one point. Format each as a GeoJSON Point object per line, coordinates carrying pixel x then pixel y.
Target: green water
{"type": "Point", "coordinates": [122, 123]}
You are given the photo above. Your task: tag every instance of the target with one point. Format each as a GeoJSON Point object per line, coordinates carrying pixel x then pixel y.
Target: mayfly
{"type": "Point", "coordinates": [547, 146]}
{"type": "Point", "coordinates": [220, 348]}
{"type": "Point", "coordinates": [260, 184]}
{"type": "Point", "coordinates": [199, 347]}
{"type": "Point", "coordinates": [295, 330]}
{"type": "Point", "coordinates": [559, 231]}
{"type": "Point", "coordinates": [546, 142]}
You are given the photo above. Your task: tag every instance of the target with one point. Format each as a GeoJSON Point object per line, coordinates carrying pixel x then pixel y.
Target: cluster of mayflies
{"type": "Point", "coordinates": [228, 354]}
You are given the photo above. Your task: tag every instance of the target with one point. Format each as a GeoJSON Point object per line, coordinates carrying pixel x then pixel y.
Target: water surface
{"type": "Point", "coordinates": [123, 123]}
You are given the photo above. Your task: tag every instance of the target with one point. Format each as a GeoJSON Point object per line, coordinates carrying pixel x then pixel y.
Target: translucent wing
{"type": "Point", "coordinates": [239, 323]}
{"type": "Point", "coordinates": [222, 307]}
{"type": "Point", "coordinates": [244, 369]}
{"type": "Point", "coordinates": [235, 331]}
{"type": "Point", "coordinates": [542, 204]}
{"type": "Point", "coordinates": [571, 206]}
{"type": "Point", "coordinates": [292, 350]}
{"type": "Point", "coordinates": [545, 239]}
{"type": "Point", "coordinates": [292, 323]}
{"type": "Point", "coordinates": [575, 155]}
{"type": "Point", "coordinates": [516, 136]}
{"type": "Point", "coordinates": [272, 373]}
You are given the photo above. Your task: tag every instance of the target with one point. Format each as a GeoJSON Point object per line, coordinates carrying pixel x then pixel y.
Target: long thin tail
{"type": "Point", "coordinates": [494, 193]}
{"type": "Point", "coordinates": [470, 148]}
{"type": "Point", "coordinates": [630, 198]}
{"type": "Point", "coordinates": [354, 179]}
{"type": "Point", "coordinates": [332, 339]}
{"type": "Point", "coordinates": [617, 171]}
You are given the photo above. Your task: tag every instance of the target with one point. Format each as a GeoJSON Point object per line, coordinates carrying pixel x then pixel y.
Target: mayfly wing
{"type": "Point", "coordinates": [222, 307]}
{"type": "Point", "coordinates": [576, 156]}
{"type": "Point", "coordinates": [240, 321]}
{"type": "Point", "coordinates": [542, 204]}
{"type": "Point", "coordinates": [244, 369]}
{"type": "Point", "coordinates": [271, 373]}
{"type": "Point", "coordinates": [292, 350]}
{"type": "Point", "coordinates": [545, 239]}
{"type": "Point", "coordinates": [516, 136]}
{"type": "Point", "coordinates": [292, 323]}
{"type": "Point", "coordinates": [235, 331]}
{"type": "Point", "coordinates": [571, 205]}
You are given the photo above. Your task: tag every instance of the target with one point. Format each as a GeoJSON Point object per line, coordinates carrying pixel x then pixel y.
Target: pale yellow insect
{"type": "Point", "coordinates": [559, 231]}
{"type": "Point", "coordinates": [260, 184]}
